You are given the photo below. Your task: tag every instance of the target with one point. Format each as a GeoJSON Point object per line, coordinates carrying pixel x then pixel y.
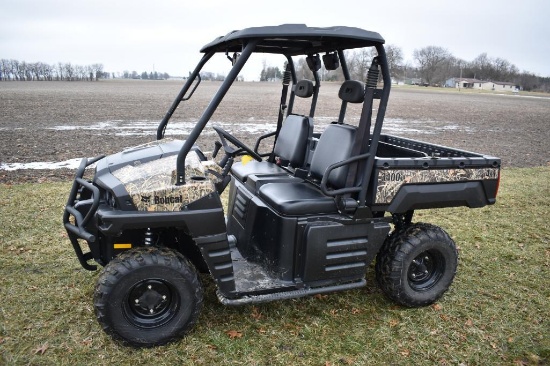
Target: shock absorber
{"type": "Point", "coordinates": [148, 237]}
{"type": "Point", "coordinates": [286, 75]}
{"type": "Point", "coordinates": [372, 74]}
{"type": "Point", "coordinates": [286, 82]}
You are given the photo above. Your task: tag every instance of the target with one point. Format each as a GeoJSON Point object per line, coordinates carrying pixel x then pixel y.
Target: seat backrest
{"type": "Point", "coordinates": [335, 145]}
{"type": "Point", "coordinates": [293, 140]}
{"type": "Point", "coordinates": [351, 91]}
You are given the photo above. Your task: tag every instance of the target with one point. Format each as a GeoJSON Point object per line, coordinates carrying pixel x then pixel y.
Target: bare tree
{"type": "Point", "coordinates": [501, 67]}
{"type": "Point", "coordinates": [97, 70]}
{"type": "Point", "coordinates": [431, 61]}
{"type": "Point", "coordinates": [15, 69]}
{"type": "Point", "coordinates": [79, 72]}
{"type": "Point", "coordinates": [481, 66]}
{"type": "Point", "coordinates": [394, 55]}
{"type": "Point", "coordinates": [270, 73]}
{"type": "Point", "coordinates": [5, 69]}
{"type": "Point", "coordinates": [531, 82]}
{"type": "Point", "coordinates": [89, 73]}
{"type": "Point", "coordinates": [14, 65]}
{"type": "Point", "coordinates": [23, 71]}
{"type": "Point", "coordinates": [359, 62]}
{"type": "Point", "coordinates": [27, 71]}
{"type": "Point", "coordinates": [60, 71]}
{"type": "Point", "coordinates": [69, 71]}
{"type": "Point", "coordinates": [486, 68]}
{"type": "Point", "coordinates": [33, 71]}
{"type": "Point", "coordinates": [47, 71]}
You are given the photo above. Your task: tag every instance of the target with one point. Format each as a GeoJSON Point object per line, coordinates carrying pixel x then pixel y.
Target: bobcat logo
{"type": "Point", "coordinates": [161, 200]}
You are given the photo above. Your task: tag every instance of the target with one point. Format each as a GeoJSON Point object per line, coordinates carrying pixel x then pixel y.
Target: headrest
{"type": "Point", "coordinates": [304, 88]}
{"type": "Point", "coordinates": [352, 91]}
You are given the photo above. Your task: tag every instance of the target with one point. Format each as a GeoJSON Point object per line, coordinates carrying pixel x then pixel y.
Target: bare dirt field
{"type": "Point", "coordinates": [59, 121]}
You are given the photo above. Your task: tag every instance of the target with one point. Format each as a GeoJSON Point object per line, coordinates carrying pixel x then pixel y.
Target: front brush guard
{"type": "Point", "coordinates": [76, 205]}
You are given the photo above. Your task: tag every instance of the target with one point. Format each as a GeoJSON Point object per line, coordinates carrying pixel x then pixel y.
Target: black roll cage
{"type": "Point", "coordinates": [248, 45]}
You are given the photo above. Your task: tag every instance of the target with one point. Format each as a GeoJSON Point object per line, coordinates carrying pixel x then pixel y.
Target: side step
{"type": "Point", "coordinates": [256, 299]}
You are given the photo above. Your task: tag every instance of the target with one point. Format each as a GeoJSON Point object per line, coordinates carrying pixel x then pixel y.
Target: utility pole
{"type": "Point", "coordinates": [460, 79]}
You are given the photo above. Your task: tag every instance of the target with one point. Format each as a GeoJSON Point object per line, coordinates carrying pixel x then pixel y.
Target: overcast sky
{"type": "Point", "coordinates": [167, 34]}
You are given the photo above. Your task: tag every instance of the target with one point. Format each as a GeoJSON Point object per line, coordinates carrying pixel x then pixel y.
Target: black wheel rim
{"type": "Point", "coordinates": [151, 303]}
{"type": "Point", "coordinates": [425, 270]}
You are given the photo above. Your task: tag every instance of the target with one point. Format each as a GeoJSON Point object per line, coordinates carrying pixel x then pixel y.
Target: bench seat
{"type": "Point", "coordinates": [305, 198]}
{"type": "Point", "coordinates": [294, 199]}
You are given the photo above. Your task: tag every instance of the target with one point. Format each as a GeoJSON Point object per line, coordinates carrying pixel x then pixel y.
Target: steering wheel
{"type": "Point", "coordinates": [225, 136]}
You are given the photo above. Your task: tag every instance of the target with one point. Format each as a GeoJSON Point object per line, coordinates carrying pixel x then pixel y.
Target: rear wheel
{"type": "Point", "coordinates": [148, 296]}
{"type": "Point", "coordinates": [416, 265]}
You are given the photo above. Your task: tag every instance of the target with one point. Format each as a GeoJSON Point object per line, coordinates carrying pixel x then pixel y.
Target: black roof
{"type": "Point", "coordinates": [295, 39]}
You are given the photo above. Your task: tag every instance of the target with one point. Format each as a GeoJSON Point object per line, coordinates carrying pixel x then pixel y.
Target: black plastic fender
{"type": "Point", "coordinates": [424, 196]}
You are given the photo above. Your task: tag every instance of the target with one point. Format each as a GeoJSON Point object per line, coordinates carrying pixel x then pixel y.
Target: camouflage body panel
{"type": "Point", "coordinates": [152, 185]}
{"type": "Point", "coordinates": [390, 181]}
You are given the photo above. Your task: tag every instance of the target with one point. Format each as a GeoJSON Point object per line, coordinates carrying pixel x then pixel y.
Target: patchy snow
{"type": "Point", "coordinates": [147, 128]}
{"type": "Point", "coordinates": [95, 126]}
{"type": "Point", "coordinates": [403, 126]}
{"type": "Point", "coordinates": [69, 164]}
{"type": "Point", "coordinates": [522, 96]}
{"type": "Point", "coordinates": [253, 126]}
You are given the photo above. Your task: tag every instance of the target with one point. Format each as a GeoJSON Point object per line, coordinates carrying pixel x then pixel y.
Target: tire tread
{"type": "Point", "coordinates": [135, 258]}
{"type": "Point", "coordinates": [392, 256]}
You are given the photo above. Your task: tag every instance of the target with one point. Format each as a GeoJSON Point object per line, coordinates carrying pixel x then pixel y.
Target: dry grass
{"type": "Point", "coordinates": [495, 313]}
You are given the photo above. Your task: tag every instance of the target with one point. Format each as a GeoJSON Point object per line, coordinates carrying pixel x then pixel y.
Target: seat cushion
{"type": "Point", "coordinates": [297, 199]}
{"type": "Point", "coordinates": [242, 171]}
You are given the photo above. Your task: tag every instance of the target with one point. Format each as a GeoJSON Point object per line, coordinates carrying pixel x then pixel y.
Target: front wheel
{"type": "Point", "coordinates": [148, 297]}
{"type": "Point", "coordinates": [416, 265]}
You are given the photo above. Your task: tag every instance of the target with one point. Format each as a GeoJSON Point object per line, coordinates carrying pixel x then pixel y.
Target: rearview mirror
{"type": "Point", "coordinates": [313, 62]}
{"type": "Point", "coordinates": [331, 61]}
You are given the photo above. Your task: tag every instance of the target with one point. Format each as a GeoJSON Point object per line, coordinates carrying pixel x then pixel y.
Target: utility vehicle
{"type": "Point", "coordinates": [306, 215]}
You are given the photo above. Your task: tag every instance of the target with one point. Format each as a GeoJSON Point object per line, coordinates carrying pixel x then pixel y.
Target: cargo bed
{"type": "Point", "coordinates": [410, 174]}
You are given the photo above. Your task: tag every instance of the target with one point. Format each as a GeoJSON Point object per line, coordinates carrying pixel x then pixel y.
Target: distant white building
{"type": "Point", "coordinates": [467, 83]}
{"type": "Point", "coordinates": [463, 83]}
{"type": "Point", "coordinates": [497, 86]}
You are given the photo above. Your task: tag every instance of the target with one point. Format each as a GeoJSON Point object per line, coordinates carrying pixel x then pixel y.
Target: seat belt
{"type": "Point", "coordinates": [282, 107]}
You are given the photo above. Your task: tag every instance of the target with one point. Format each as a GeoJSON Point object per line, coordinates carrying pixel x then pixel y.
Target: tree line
{"type": "Point", "coordinates": [432, 65]}
{"type": "Point", "coordinates": [15, 70]}
{"type": "Point", "coordinates": [436, 64]}
{"type": "Point", "coordinates": [29, 71]}
{"type": "Point", "coordinates": [152, 75]}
